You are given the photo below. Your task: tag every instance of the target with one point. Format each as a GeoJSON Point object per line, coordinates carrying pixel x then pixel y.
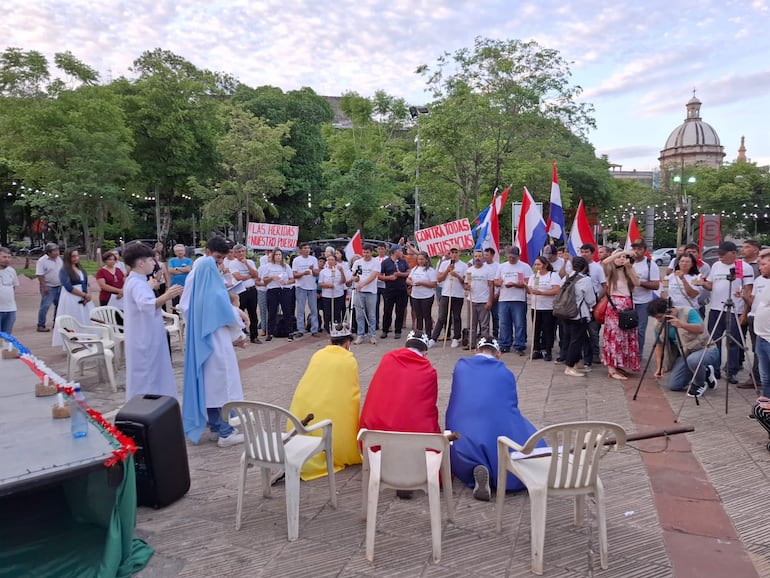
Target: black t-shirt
{"type": "Point", "coordinates": [389, 267]}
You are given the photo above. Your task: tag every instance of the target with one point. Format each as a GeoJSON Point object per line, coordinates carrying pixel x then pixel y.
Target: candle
{"type": "Point", "coordinates": [60, 399]}
{"type": "Point", "coordinates": [45, 380]}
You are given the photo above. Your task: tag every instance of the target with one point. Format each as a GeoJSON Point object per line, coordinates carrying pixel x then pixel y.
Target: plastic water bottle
{"type": "Point", "coordinates": [78, 417]}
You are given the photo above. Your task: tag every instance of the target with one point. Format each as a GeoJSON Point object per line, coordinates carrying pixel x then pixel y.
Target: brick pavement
{"type": "Point", "coordinates": [689, 508]}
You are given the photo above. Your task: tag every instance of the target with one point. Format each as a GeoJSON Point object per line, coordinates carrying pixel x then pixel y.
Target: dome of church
{"type": "Point", "coordinates": [693, 142]}
{"type": "Point", "coordinates": [693, 131]}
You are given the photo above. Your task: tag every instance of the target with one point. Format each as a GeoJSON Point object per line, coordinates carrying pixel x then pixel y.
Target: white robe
{"type": "Point", "coordinates": [221, 376]}
{"type": "Point", "coordinates": [148, 360]}
{"type": "Point", "coordinates": [69, 304]}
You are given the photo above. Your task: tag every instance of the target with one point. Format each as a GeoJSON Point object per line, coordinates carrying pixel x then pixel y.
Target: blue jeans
{"type": "Point", "coordinates": [513, 317]}
{"type": "Point", "coordinates": [366, 312]}
{"type": "Point", "coordinates": [46, 300]}
{"type": "Point", "coordinates": [304, 296]}
{"type": "Point", "coordinates": [262, 304]}
{"type": "Point", "coordinates": [217, 424]}
{"type": "Point", "coordinates": [641, 311]}
{"type": "Point", "coordinates": [682, 371]}
{"type": "Point", "coordinates": [7, 319]}
{"type": "Point", "coordinates": [763, 357]}
{"type": "Point", "coordinates": [733, 350]}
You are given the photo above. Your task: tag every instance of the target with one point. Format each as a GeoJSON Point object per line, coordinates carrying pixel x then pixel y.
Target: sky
{"type": "Point", "coordinates": [637, 62]}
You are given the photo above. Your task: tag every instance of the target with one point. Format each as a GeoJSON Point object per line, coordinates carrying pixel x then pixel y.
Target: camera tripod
{"type": "Point", "coordinates": [730, 317]}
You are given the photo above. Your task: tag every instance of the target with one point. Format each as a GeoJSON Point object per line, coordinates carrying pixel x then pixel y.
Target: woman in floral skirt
{"type": "Point", "coordinates": [620, 347]}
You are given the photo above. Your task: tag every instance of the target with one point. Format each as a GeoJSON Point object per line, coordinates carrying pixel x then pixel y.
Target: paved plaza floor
{"type": "Point", "coordinates": [687, 506]}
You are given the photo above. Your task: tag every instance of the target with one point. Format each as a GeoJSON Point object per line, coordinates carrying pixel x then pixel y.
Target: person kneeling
{"type": "Point", "coordinates": [482, 406]}
{"type": "Point", "coordinates": [689, 360]}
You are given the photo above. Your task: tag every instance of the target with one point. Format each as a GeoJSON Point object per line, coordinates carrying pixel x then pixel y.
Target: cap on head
{"type": "Point", "coordinates": [514, 251]}
{"type": "Point", "coordinates": [417, 341]}
{"type": "Point", "coordinates": [488, 342]}
{"type": "Point", "coordinates": [726, 247]}
{"type": "Point", "coordinates": [396, 247]}
{"type": "Point", "coordinates": [639, 243]}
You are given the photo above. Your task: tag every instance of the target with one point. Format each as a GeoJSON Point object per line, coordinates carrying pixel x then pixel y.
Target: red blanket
{"type": "Point", "coordinates": [402, 395]}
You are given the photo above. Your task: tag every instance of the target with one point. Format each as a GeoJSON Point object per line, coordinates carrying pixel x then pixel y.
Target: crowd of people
{"type": "Point", "coordinates": [692, 304]}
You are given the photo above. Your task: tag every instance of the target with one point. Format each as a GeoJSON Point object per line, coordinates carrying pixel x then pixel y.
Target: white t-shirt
{"type": "Point", "coordinates": [367, 268]}
{"type": "Point", "coordinates": [762, 316]}
{"type": "Point", "coordinates": [744, 275]}
{"type": "Point", "coordinates": [235, 266]}
{"type": "Point", "coordinates": [380, 284]}
{"type": "Point", "coordinates": [452, 286]}
{"type": "Point", "coordinates": [479, 281]}
{"type": "Point", "coordinates": [279, 275]}
{"type": "Point", "coordinates": [544, 283]}
{"type": "Point", "coordinates": [8, 283]}
{"type": "Point", "coordinates": [646, 270]}
{"type": "Point", "coordinates": [332, 276]}
{"type": "Point", "coordinates": [423, 274]}
{"type": "Point", "coordinates": [302, 264]}
{"type": "Point", "coordinates": [760, 283]}
{"type": "Point", "coordinates": [598, 277]}
{"type": "Point", "coordinates": [519, 272]}
{"type": "Point", "coordinates": [677, 293]}
{"type": "Point", "coordinates": [494, 267]}
{"type": "Point", "coordinates": [49, 269]}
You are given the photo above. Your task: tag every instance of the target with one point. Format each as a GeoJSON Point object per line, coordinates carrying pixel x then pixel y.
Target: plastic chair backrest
{"type": "Point", "coordinates": [580, 446]}
{"type": "Point", "coordinates": [107, 315]}
{"type": "Point", "coordinates": [264, 429]}
{"type": "Point", "coordinates": [402, 454]}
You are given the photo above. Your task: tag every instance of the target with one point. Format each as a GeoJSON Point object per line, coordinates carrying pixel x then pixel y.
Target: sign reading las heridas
{"type": "Point", "coordinates": [268, 236]}
{"type": "Point", "coordinates": [439, 239]}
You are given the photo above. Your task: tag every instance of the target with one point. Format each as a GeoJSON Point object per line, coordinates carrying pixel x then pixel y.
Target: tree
{"type": "Point", "coordinates": [503, 111]}
{"type": "Point", "coordinates": [252, 154]}
{"type": "Point", "coordinates": [173, 110]}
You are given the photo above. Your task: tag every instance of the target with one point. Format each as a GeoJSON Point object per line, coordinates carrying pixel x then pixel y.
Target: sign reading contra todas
{"type": "Point", "coordinates": [438, 239]}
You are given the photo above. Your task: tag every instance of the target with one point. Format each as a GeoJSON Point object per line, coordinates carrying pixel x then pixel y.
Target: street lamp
{"type": "Point", "coordinates": [415, 112]}
{"type": "Point", "coordinates": [684, 204]}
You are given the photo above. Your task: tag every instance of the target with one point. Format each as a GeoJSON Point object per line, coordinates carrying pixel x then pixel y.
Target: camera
{"type": "Point", "coordinates": [731, 274]}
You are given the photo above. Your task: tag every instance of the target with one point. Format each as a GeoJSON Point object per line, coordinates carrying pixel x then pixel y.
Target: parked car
{"type": "Point", "coordinates": [663, 256]}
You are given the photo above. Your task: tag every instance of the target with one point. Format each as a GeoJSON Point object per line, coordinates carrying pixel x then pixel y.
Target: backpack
{"type": "Point", "coordinates": [565, 304]}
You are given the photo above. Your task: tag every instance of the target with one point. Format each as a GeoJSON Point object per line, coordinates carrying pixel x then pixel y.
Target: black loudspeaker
{"type": "Point", "coordinates": [154, 422]}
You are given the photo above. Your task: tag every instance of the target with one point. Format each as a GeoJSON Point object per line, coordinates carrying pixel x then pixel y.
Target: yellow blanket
{"type": "Point", "coordinates": [329, 390]}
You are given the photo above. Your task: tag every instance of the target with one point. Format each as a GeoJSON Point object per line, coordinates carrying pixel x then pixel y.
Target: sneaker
{"type": "Point", "coordinates": [732, 379]}
{"type": "Point", "coordinates": [396, 336]}
{"type": "Point", "coordinates": [213, 436]}
{"type": "Point", "coordinates": [455, 343]}
{"type": "Point", "coordinates": [405, 494]}
{"type": "Point", "coordinates": [42, 329]}
{"type": "Point", "coordinates": [537, 355]}
{"type": "Point", "coordinates": [256, 340]}
{"type": "Point", "coordinates": [269, 338]}
{"type": "Point", "coordinates": [558, 360]}
{"type": "Point", "coordinates": [316, 334]}
{"type": "Point", "coordinates": [571, 371]}
{"type": "Point", "coordinates": [711, 379]}
{"type": "Point", "coordinates": [505, 350]}
{"type": "Point", "coordinates": [522, 352]}
{"type": "Point", "coordinates": [359, 340]}
{"type": "Point", "coordinates": [481, 490]}
{"type": "Point", "coordinates": [384, 335]}
{"type": "Point", "coordinates": [231, 440]}
{"type": "Point", "coordinates": [373, 340]}
{"type": "Point", "coordinates": [431, 343]}
{"type": "Point", "coordinates": [696, 390]}
{"type": "Point", "coordinates": [547, 356]}
{"type": "Point", "coordinates": [290, 337]}
{"type": "Point", "coordinates": [299, 335]}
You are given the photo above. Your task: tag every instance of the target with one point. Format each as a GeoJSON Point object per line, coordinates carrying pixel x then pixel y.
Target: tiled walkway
{"type": "Point", "coordinates": [690, 506]}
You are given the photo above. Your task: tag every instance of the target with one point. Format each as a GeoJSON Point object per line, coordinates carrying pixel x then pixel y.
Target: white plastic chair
{"type": "Point", "coordinates": [173, 325]}
{"type": "Point", "coordinates": [111, 317]}
{"type": "Point", "coordinates": [571, 470]}
{"type": "Point", "coordinates": [86, 346]}
{"type": "Point", "coordinates": [405, 461]}
{"type": "Point", "coordinates": [268, 446]}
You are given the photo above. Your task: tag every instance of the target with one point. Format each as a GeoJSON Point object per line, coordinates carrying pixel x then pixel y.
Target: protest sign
{"type": "Point", "coordinates": [439, 239]}
{"type": "Point", "coordinates": [268, 236]}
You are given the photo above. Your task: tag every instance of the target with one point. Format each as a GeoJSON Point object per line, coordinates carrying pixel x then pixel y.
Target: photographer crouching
{"type": "Point", "coordinates": [683, 348]}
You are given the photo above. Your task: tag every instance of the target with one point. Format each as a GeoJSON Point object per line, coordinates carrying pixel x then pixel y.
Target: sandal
{"type": "Point", "coordinates": [616, 375]}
